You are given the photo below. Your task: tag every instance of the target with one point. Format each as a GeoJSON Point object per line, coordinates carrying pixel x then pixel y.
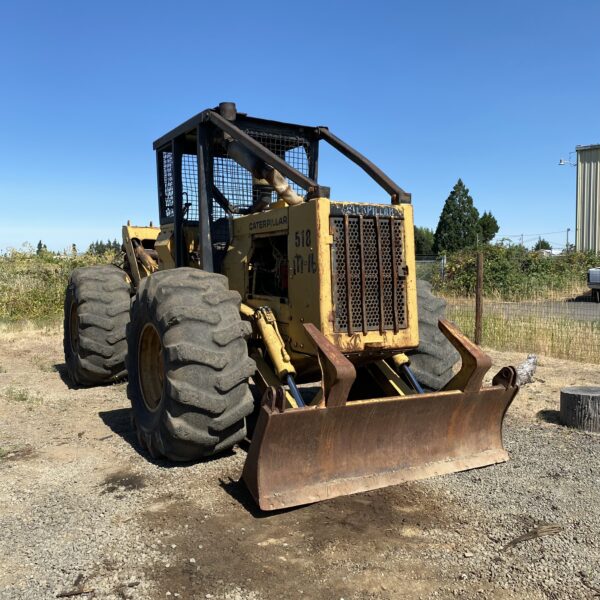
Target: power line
{"type": "Point", "coordinates": [518, 235]}
{"type": "Point", "coordinates": [534, 238]}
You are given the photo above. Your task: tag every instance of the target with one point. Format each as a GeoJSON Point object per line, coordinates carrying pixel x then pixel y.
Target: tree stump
{"type": "Point", "coordinates": [580, 407]}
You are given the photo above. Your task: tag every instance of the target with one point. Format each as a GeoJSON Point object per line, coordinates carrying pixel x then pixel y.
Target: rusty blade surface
{"type": "Point", "coordinates": [300, 456]}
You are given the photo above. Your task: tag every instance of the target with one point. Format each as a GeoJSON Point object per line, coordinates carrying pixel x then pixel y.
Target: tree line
{"type": "Point", "coordinates": [97, 248]}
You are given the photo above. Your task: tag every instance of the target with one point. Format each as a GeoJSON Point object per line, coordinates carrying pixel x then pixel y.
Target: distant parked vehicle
{"type": "Point", "coordinates": [594, 283]}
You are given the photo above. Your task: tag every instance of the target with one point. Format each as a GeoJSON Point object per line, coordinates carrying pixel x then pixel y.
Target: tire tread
{"type": "Point", "coordinates": [433, 361]}
{"type": "Point", "coordinates": [102, 296]}
{"type": "Point", "coordinates": [206, 396]}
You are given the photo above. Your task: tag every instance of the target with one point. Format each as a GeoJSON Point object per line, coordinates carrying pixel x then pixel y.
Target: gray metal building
{"type": "Point", "coordinates": [588, 198]}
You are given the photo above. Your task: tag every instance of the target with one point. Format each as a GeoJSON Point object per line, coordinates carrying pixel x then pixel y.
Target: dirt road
{"type": "Point", "coordinates": [82, 511]}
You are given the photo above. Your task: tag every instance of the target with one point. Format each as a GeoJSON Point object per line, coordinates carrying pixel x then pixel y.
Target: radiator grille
{"type": "Point", "coordinates": [368, 269]}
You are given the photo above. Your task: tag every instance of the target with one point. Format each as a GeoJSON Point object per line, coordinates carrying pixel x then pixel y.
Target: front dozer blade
{"type": "Point", "coordinates": [303, 455]}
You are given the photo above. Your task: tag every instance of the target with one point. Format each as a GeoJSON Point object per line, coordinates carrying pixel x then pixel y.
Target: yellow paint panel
{"type": "Point", "coordinates": [310, 298]}
{"type": "Point", "coordinates": [129, 233]}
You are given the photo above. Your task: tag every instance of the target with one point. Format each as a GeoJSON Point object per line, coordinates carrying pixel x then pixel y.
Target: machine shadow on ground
{"type": "Point", "coordinates": [549, 416]}
{"type": "Point", "coordinates": [61, 369]}
{"type": "Point", "coordinates": [119, 422]}
{"type": "Point", "coordinates": [289, 553]}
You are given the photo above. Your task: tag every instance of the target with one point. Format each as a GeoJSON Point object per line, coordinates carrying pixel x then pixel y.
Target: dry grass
{"type": "Point", "coordinates": [550, 328]}
{"type": "Point", "coordinates": [32, 287]}
{"type": "Point", "coordinates": [533, 303]}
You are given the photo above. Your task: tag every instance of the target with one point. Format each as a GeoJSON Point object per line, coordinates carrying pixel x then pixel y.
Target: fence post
{"type": "Point", "coordinates": [479, 300]}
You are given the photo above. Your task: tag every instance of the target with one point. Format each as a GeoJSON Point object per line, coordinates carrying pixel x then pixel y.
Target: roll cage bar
{"type": "Point", "coordinates": [208, 132]}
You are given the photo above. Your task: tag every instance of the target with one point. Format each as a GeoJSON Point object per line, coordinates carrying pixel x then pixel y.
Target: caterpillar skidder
{"type": "Point", "coordinates": [255, 272]}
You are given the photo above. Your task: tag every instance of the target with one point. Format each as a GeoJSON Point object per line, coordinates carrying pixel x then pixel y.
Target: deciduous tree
{"type": "Point", "coordinates": [423, 240]}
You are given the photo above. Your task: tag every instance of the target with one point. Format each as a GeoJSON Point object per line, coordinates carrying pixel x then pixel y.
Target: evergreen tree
{"type": "Point", "coordinates": [41, 248]}
{"type": "Point", "coordinates": [458, 226]}
{"type": "Point", "coordinates": [542, 244]}
{"type": "Point", "coordinates": [488, 227]}
{"type": "Point", "coordinates": [423, 241]}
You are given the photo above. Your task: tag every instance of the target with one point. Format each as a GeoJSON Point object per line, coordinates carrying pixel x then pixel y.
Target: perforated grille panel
{"type": "Point", "coordinates": [369, 284]}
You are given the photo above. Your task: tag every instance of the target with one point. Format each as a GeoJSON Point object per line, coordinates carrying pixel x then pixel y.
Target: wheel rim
{"type": "Point", "coordinates": [150, 367]}
{"type": "Point", "coordinates": [73, 328]}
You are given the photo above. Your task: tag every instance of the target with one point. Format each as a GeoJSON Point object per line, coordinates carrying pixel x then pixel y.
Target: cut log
{"type": "Point", "coordinates": [580, 407]}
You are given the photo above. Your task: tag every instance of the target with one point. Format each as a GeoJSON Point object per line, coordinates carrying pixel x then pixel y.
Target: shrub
{"type": "Point", "coordinates": [32, 285]}
{"type": "Point", "coordinates": [515, 273]}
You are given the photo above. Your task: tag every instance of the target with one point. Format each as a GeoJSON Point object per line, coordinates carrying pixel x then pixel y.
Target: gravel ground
{"type": "Point", "coordinates": [81, 510]}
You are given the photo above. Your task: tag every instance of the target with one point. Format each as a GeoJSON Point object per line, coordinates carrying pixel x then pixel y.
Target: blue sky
{"type": "Point", "coordinates": [492, 92]}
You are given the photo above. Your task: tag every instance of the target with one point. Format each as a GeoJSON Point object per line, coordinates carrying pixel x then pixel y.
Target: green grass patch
{"type": "Point", "coordinates": [21, 395]}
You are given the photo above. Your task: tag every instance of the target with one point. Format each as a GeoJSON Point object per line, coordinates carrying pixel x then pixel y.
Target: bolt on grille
{"type": "Point", "coordinates": [368, 270]}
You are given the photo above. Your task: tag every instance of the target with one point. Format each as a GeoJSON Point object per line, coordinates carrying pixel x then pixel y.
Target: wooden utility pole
{"type": "Point", "coordinates": [479, 300]}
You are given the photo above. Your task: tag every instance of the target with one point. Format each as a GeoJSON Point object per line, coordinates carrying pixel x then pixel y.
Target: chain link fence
{"type": "Point", "coordinates": [562, 321]}
{"type": "Point", "coordinates": [430, 267]}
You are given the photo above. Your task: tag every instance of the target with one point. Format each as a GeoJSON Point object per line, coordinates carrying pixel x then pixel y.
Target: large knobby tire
{"type": "Point", "coordinates": [96, 315]}
{"type": "Point", "coordinates": [188, 365]}
{"type": "Point", "coordinates": [433, 361]}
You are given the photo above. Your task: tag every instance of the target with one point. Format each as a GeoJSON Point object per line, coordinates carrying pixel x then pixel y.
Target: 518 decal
{"type": "Point", "coordinates": [303, 238]}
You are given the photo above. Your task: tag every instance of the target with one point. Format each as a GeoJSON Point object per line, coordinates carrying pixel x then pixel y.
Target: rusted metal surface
{"type": "Point", "coordinates": [348, 275]}
{"type": "Point", "coordinates": [148, 258]}
{"type": "Point", "coordinates": [506, 377]}
{"type": "Point", "coordinates": [380, 272]}
{"type": "Point", "coordinates": [368, 445]}
{"type": "Point", "coordinates": [338, 372]}
{"type": "Point", "coordinates": [394, 274]}
{"type": "Point", "coordinates": [363, 284]}
{"type": "Point", "coordinates": [348, 447]}
{"type": "Point", "coordinates": [274, 399]}
{"type": "Point", "coordinates": [475, 362]}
